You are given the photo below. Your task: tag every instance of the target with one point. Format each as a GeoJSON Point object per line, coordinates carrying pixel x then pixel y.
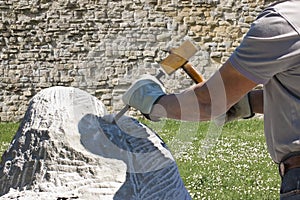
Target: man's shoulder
{"type": "Point", "coordinates": [289, 10]}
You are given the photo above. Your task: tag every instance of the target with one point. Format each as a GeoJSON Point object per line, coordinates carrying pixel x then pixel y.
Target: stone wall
{"type": "Point", "coordinates": [101, 46]}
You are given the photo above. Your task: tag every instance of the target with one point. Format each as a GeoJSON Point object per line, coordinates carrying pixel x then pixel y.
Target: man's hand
{"type": "Point", "coordinates": [143, 93]}
{"type": "Point", "coordinates": [241, 110]}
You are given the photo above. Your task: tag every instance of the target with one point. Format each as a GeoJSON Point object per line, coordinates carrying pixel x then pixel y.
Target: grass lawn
{"type": "Point", "coordinates": [229, 162]}
{"type": "Point", "coordinates": [7, 131]}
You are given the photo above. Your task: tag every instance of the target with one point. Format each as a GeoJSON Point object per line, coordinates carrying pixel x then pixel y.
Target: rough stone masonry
{"type": "Point", "coordinates": [101, 46]}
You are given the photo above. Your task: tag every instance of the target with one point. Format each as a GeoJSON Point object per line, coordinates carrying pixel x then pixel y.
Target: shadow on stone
{"type": "Point", "coordinates": [151, 172]}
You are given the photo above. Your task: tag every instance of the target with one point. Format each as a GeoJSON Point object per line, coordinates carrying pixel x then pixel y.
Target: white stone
{"type": "Point", "coordinates": [68, 148]}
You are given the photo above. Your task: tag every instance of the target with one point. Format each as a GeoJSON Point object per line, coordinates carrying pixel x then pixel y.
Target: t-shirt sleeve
{"type": "Point", "coordinates": [267, 48]}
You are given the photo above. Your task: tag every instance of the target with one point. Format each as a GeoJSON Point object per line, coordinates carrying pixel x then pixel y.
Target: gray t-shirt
{"type": "Point", "coordinates": [270, 55]}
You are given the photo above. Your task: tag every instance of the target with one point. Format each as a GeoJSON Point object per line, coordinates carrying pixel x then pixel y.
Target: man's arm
{"type": "Point", "coordinates": [210, 99]}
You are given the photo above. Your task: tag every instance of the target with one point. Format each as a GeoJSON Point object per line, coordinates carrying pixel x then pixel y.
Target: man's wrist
{"type": "Point", "coordinates": [158, 108]}
{"type": "Point", "coordinates": [251, 113]}
{"type": "Point", "coordinates": [256, 100]}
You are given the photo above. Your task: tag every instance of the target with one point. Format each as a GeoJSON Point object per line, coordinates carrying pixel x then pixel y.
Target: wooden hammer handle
{"type": "Point", "coordinates": [193, 73]}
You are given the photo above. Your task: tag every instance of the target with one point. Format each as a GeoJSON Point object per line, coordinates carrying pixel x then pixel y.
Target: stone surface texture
{"type": "Point", "coordinates": [66, 148]}
{"type": "Point", "coordinates": [101, 46]}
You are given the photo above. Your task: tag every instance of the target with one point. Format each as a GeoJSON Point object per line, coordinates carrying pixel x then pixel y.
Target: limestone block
{"type": "Point", "coordinates": [28, 93]}
{"type": "Point", "coordinates": [249, 19]}
{"type": "Point", "coordinates": [67, 148]}
{"type": "Point", "coordinates": [140, 14]}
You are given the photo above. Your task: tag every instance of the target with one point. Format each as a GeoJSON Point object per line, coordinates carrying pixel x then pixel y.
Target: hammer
{"type": "Point", "coordinates": [178, 58]}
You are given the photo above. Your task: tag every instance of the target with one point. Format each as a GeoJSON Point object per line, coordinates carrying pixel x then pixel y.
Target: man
{"type": "Point", "coordinates": [268, 55]}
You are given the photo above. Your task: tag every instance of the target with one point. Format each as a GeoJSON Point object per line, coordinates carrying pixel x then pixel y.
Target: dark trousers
{"type": "Point", "coordinates": [290, 185]}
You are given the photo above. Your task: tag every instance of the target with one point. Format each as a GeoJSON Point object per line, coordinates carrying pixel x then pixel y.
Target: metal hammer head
{"type": "Point", "coordinates": [178, 57]}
